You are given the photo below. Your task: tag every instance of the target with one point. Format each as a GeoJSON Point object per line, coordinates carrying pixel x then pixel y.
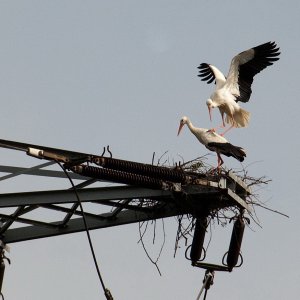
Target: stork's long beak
{"type": "Point", "coordinates": [180, 127]}
{"type": "Point", "coordinates": [209, 111]}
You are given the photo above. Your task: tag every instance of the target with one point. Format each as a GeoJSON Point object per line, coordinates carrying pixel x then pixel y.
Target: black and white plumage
{"type": "Point", "coordinates": [213, 141]}
{"type": "Point", "coordinates": [237, 86]}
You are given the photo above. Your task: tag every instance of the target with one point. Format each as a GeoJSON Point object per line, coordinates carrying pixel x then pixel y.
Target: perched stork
{"type": "Point", "coordinates": [237, 86]}
{"type": "Point", "coordinates": [213, 141]}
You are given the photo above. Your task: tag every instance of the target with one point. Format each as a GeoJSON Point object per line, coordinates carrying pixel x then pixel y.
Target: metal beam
{"type": "Point", "coordinates": [104, 194]}
{"type": "Point", "coordinates": [67, 210]}
{"type": "Point", "coordinates": [10, 221]}
{"type": "Point", "coordinates": [38, 172]}
{"type": "Point", "coordinates": [76, 225]}
{"type": "Point", "coordinates": [122, 205]}
{"type": "Point", "coordinates": [120, 208]}
{"type": "Point", "coordinates": [24, 147]}
{"type": "Point", "coordinates": [239, 201]}
{"type": "Point", "coordinates": [26, 221]}
{"type": "Point", "coordinates": [86, 195]}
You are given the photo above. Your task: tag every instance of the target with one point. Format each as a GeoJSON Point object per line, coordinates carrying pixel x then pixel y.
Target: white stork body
{"type": "Point", "coordinates": [213, 141]}
{"type": "Point", "coordinates": [237, 86]}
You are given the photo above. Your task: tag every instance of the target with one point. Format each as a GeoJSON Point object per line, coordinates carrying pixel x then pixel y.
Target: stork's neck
{"type": "Point", "coordinates": [198, 132]}
{"type": "Point", "coordinates": [194, 129]}
{"type": "Point", "coordinates": [190, 125]}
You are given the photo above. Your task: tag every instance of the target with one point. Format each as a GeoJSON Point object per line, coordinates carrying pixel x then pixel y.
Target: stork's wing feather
{"type": "Point", "coordinates": [209, 73]}
{"type": "Point", "coordinates": [206, 73]}
{"type": "Point", "coordinates": [246, 65]}
{"type": "Point", "coordinates": [228, 150]}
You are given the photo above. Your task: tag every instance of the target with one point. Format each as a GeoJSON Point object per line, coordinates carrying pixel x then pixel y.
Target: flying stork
{"type": "Point", "coordinates": [237, 86]}
{"type": "Point", "coordinates": [213, 142]}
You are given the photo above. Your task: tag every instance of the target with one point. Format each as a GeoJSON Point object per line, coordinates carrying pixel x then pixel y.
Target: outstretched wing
{"type": "Point", "coordinates": [246, 65]}
{"type": "Point", "coordinates": [210, 73]}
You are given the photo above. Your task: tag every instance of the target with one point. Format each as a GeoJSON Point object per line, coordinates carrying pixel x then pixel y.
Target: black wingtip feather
{"type": "Point", "coordinates": [205, 73]}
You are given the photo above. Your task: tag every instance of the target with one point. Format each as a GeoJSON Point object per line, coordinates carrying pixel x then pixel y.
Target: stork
{"type": "Point", "coordinates": [213, 142]}
{"type": "Point", "coordinates": [237, 86]}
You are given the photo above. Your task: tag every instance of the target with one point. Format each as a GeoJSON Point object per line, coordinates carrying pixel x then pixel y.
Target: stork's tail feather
{"type": "Point", "coordinates": [240, 118]}
{"type": "Point", "coordinates": [228, 149]}
{"type": "Point", "coordinates": [237, 152]}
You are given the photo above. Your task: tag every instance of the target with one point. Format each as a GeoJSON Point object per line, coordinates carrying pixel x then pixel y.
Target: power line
{"type": "Point", "coordinates": [107, 292]}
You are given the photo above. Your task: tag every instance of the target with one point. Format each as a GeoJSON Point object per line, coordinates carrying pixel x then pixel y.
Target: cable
{"type": "Point", "coordinates": [107, 292]}
{"type": "Point", "coordinates": [207, 282]}
{"type": "Point", "coordinates": [205, 294]}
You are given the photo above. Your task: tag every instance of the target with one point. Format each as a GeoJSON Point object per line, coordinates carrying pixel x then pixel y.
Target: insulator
{"type": "Point", "coordinates": [198, 239]}
{"type": "Point", "coordinates": [142, 169]}
{"type": "Point", "coordinates": [118, 176]}
{"type": "Point", "coordinates": [235, 243]}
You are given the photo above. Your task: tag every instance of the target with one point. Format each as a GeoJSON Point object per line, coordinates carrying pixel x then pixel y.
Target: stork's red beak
{"type": "Point", "coordinates": [209, 111]}
{"type": "Point", "coordinates": [180, 127]}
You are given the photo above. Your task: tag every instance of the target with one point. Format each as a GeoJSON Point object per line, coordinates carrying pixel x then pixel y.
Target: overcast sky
{"type": "Point", "coordinates": [81, 75]}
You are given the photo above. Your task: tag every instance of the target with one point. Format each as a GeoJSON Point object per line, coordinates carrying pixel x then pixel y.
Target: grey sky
{"type": "Point", "coordinates": [81, 75]}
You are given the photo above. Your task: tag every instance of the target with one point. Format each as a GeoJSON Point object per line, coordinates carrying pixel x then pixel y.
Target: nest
{"type": "Point", "coordinates": [186, 223]}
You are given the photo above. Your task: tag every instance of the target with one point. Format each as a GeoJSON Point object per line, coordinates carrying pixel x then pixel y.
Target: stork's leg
{"type": "Point", "coordinates": [223, 125]}
{"type": "Point", "coordinates": [218, 167]}
{"type": "Point", "coordinates": [223, 133]}
{"type": "Point", "coordinates": [220, 161]}
{"type": "Point", "coordinates": [223, 121]}
{"type": "Point", "coordinates": [231, 121]}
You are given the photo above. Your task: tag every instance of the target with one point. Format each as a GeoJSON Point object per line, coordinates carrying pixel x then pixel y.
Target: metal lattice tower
{"type": "Point", "coordinates": [167, 192]}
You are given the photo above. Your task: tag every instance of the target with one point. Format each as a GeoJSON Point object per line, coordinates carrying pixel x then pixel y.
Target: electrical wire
{"type": "Point", "coordinates": [107, 292]}
{"type": "Point", "coordinates": [207, 282]}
